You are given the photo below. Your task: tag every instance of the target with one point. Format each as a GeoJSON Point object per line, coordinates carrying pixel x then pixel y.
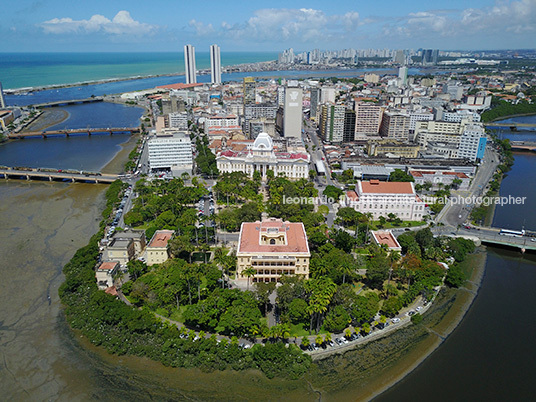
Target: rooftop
{"type": "Point", "coordinates": [382, 187]}
{"type": "Point", "coordinates": [250, 237]}
{"type": "Point", "coordinates": [108, 265]}
{"type": "Point", "coordinates": [386, 238]}
{"type": "Point", "coordinates": [161, 238]}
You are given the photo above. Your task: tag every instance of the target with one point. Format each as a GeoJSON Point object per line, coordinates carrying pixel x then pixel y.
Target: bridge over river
{"type": "Point", "coordinates": [74, 131]}
{"type": "Point", "coordinates": [23, 173]}
{"type": "Point", "coordinates": [514, 126]}
{"type": "Point", "coordinates": [492, 236]}
{"type": "Point", "coordinates": [523, 145]}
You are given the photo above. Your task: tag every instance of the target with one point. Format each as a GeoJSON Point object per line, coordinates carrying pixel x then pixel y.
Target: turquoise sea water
{"type": "Point", "coordinates": [21, 70]}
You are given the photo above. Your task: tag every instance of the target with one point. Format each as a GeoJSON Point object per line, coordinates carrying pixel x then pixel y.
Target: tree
{"type": "Point", "coordinates": [337, 319]}
{"type": "Point", "coordinates": [320, 291]}
{"type": "Point", "coordinates": [305, 342]}
{"type": "Point", "coordinates": [263, 292]}
{"type": "Point", "coordinates": [377, 270]}
{"type": "Point", "coordinates": [249, 272]}
{"type": "Point", "coordinates": [136, 268]}
{"type": "Point", "coordinates": [297, 311]}
{"type": "Point", "coordinates": [455, 277]}
{"type": "Point", "coordinates": [400, 175]}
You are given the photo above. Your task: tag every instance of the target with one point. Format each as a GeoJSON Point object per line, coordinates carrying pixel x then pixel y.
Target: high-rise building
{"type": "Point", "coordinates": [249, 90]}
{"type": "Point", "coordinates": [292, 115]}
{"type": "Point", "coordinates": [315, 102]}
{"type": "Point", "coordinates": [395, 125]}
{"type": "Point", "coordinates": [472, 142]}
{"type": "Point", "coordinates": [332, 122]}
{"type": "Point", "coordinates": [400, 57]}
{"type": "Point", "coordinates": [215, 64]}
{"type": "Point", "coordinates": [2, 100]}
{"type": "Point", "coordinates": [403, 75]}
{"type": "Point", "coordinates": [429, 56]}
{"type": "Point", "coordinates": [189, 64]}
{"type": "Point", "coordinates": [349, 126]}
{"type": "Point", "coordinates": [368, 117]}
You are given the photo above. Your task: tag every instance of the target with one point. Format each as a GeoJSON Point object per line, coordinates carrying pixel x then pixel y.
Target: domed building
{"type": "Point", "coordinates": [261, 157]}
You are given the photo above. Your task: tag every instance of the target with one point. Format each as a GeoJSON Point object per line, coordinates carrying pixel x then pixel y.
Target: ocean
{"type": "Point", "coordinates": [22, 70]}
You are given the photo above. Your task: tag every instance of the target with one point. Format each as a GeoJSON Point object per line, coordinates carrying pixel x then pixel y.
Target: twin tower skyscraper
{"type": "Point", "coordinates": [215, 64]}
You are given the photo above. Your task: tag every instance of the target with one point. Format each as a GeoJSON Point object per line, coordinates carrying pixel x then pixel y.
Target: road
{"type": "Point", "coordinates": [318, 155]}
{"type": "Point", "coordinates": [456, 214]}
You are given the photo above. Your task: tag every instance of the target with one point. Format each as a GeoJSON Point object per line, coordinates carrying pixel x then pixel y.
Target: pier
{"type": "Point", "coordinates": [23, 173]}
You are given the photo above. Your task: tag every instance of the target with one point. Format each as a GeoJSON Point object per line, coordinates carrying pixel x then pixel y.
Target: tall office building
{"type": "Point", "coordinates": [349, 126]}
{"type": "Point", "coordinates": [429, 56]}
{"type": "Point", "coordinates": [189, 64]}
{"type": "Point", "coordinates": [400, 57]}
{"type": "Point", "coordinates": [215, 64]}
{"type": "Point", "coordinates": [403, 76]}
{"type": "Point", "coordinates": [2, 100]}
{"type": "Point", "coordinates": [315, 103]}
{"type": "Point", "coordinates": [292, 115]}
{"type": "Point", "coordinates": [249, 90]}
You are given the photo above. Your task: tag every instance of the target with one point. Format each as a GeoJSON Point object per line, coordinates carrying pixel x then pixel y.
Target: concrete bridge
{"type": "Point", "coordinates": [512, 126]}
{"type": "Point", "coordinates": [491, 236]}
{"type": "Point", "coordinates": [74, 131]}
{"type": "Point", "coordinates": [69, 102]}
{"type": "Point", "coordinates": [523, 146]}
{"type": "Point", "coordinates": [23, 173]}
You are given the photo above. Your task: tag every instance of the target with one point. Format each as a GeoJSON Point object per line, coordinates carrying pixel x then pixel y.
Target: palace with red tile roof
{"type": "Point", "coordinates": [272, 248]}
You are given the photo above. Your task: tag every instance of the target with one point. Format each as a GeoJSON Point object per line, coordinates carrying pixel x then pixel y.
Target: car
{"type": "Point", "coordinates": [419, 308]}
{"type": "Point", "coordinates": [533, 239]}
{"type": "Point", "coordinates": [410, 313]}
{"type": "Point", "coordinates": [395, 320]}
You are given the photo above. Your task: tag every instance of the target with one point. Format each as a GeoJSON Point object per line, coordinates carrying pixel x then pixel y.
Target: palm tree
{"type": "Point", "coordinates": [347, 332]}
{"type": "Point", "coordinates": [249, 272]}
{"type": "Point", "coordinates": [327, 338]}
{"type": "Point", "coordinates": [305, 342]}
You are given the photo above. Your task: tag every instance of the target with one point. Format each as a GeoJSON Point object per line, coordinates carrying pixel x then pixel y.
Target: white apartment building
{"type": "Point", "coordinates": [382, 198]}
{"type": "Point", "coordinates": [293, 116]}
{"type": "Point", "coordinates": [261, 157]}
{"type": "Point", "coordinates": [189, 64]}
{"type": "Point", "coordinates": [229, 120]}
{"type": "Point", "coordinates": [458, 116]}
{"type": "Point", "coordinates": [472, 142]}
{"type": "Point", "coordinates": [332, 123]}
{"type": "Point", "coordinates": [416, 116]}
{"type": "Point", "coordinates": [170, 149]}
{"type": "Point", "coordinates": [215, 64]}
{"type": "Point", "coordinates": [179, 120]}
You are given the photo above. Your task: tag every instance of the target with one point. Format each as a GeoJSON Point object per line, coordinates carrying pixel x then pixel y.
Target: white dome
{"type": "Point", "coordinates": [263, 141]}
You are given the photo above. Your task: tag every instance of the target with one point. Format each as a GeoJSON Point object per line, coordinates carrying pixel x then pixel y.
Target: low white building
{"type": "Point", "coordinates": [437, 177]}
{"type": "Point", "coordinates": [170, 149]}
{"type": "Point", "coordinates": [382, 198]}
{"type": "Point", "coordinates": [262, 157]}
{"type": "Point", "coordinates": [105, 274]}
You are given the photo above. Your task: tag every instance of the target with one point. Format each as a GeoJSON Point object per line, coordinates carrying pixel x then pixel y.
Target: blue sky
{"type": "Point", "coordinates": [165, 25]}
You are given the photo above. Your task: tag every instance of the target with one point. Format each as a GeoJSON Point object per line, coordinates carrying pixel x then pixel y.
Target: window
{"type": "Point", "coordinates": [272, 241]}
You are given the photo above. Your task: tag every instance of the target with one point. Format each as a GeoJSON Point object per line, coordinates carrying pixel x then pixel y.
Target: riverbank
{"type": "Point", "coordinates": [499, 119]}
{"type": "Point", "coordinates": [117, 163]}
{"type": "Point", "coordinates": [48, 118]}
{"type": "Point", "coordinates": [366, 372]}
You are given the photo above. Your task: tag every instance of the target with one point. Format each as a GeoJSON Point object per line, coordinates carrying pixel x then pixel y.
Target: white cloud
{"type": "Point", "coordinates": [201, 29]}
{"type": "Point", "coordinates": [275, 25]}
{"type": "Point", "coordinates": [121, 24]}
{"type": "Point", "coordinates": [504, 17]}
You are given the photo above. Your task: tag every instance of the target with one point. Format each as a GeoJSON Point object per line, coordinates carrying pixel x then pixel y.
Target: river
{"type": "Point", "coordinates": [489, 356]}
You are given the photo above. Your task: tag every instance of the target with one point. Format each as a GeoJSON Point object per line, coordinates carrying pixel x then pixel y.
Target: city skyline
{"type": "Point", "coordinates": [125, 26]}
